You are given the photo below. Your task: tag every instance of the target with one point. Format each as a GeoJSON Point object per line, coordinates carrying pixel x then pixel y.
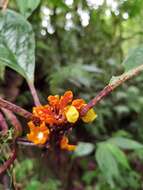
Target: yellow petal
{"type": "Point", "coordinates": [90, 116]}
{"type": "Point", "coordinates": [72, 114]}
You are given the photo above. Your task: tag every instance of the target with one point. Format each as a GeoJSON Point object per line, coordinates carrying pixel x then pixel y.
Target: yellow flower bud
{"type": "Point", "coordinates": [72, 114]}
{"type": "Point", "coordinates": [89, 116]}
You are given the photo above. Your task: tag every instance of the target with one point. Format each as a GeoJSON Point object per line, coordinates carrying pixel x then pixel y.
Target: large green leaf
{"type": "Point", "coordinates": [17, 44]}
{"type": "Point", "coordinates": [119, 155]}
{"type": "Point", "coordinates": [109, 158]}
{"type": "Point", "coordinates": [26, 7]}
{"type": "Point", "coordinates": [125, 143]}
{"type": "Point", "coordinates": [134, 59]}
{"type": "Point", "coordinates": [107, 163]}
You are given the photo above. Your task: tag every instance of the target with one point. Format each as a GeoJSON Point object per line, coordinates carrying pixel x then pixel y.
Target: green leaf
{"type": "Point", "coordinates": [125, 143]}
{"type": "Point", "coordinates": [119, 155]}
{"type": "Point", "coordinates": [134, 59]}
{"type": "Point", "coordinates": [84, 149]}
{"type": "Point", "coordinates": [17, 44]}
{"type": "Point", "coordinates": [109, 158]}
{"type": "Point", "coordinates": [107, 163]}
{"type": "Point", "coordinates": [26, 7]}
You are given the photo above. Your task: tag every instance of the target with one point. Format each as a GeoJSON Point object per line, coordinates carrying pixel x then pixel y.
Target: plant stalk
{"type": "Point", "coordinates": [34, 93]}
{"type": "Point", "coordinates": [110, 87]}
{"type": "Point", "coordinates": [16, 109]}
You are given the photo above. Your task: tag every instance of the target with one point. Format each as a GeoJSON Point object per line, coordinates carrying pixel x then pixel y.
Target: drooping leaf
{"type": "Point", "coordinates": [119, 155]}
{"type": "Point", "coordinates": [17, 44]}
{"type": "Point", "coordinates": [107, 163]}
{"type": "Point", "coordinates": [125, 143]}
{"type": "Point", "coordinates": [109, 158]}
{"type": "Point", "coordinates": [84, 149]}
{"type": "Point", "coordinates": [26, 7]}
{"type": "Point", "coordinates": [134, 59]}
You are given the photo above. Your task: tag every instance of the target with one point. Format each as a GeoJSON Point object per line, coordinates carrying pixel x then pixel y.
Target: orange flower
{"type": "Point", "coordinates": [65, 146]}
{"type": "Point", "coordinates": [53, 113]}
{"type": "Point", "coordinates": [59, 112]}
{"type": "Point", "coordinates": [38, 134]}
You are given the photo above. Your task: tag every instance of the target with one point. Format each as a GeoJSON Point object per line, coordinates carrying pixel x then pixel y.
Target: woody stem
{"type": "Point", "coordinates": [110, 87]}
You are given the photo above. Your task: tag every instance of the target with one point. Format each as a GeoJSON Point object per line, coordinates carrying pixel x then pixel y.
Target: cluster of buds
{"type": "Point", "coordinates": [56, 118]}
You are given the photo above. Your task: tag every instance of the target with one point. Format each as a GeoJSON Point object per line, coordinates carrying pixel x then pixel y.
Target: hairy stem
{"type": "Point", "coordinates": [110, 87]}
{"type": "Point", "coordinates": [16, 109]}
{"type": "Point", "coordinates": [34, 93]}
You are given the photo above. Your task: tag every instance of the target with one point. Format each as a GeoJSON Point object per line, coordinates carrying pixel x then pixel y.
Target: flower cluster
{"type": "Point", "coordinates": [60, 112]}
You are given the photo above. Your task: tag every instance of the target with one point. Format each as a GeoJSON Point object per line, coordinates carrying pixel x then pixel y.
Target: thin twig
{"type": "Point", "coordinates": [110, 87]}
{"type": "Point", "coordinates": [16, 109]}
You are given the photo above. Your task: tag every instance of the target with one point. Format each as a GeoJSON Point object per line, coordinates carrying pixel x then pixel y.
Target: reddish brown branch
{"type": "Point", "coordinates": [16, 109]}
{"type": "Point", "coordinates": [110, 87]}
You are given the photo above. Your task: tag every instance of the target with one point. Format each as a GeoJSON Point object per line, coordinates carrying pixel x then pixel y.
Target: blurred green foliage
{"type": "Point", "coordinates": [80, 45]}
